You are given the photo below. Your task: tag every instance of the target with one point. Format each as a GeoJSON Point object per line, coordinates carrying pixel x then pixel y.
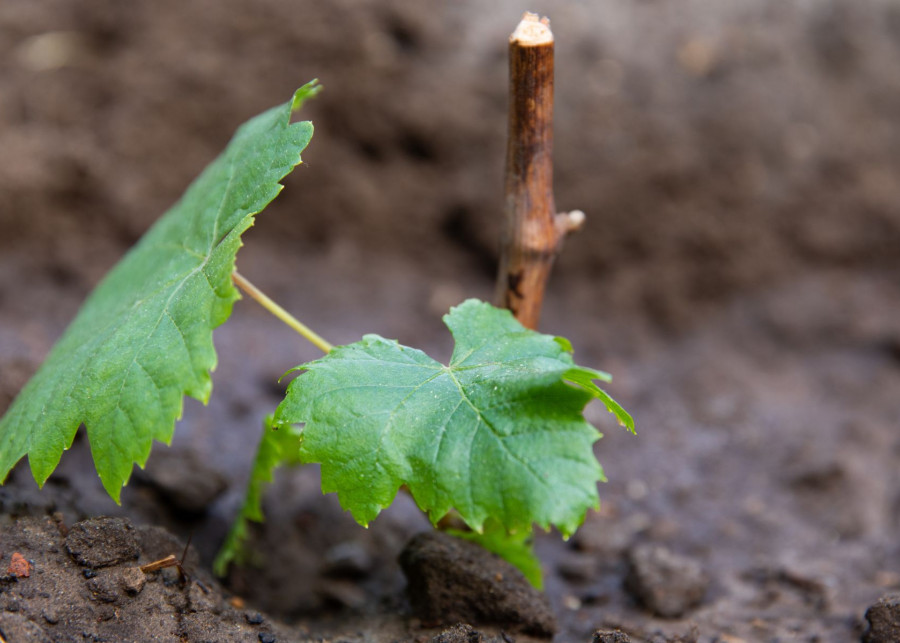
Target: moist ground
{"type": "Point", "coordinates": [737, 275]}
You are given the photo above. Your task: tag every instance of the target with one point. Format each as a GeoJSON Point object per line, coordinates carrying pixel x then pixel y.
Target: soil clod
{"type": "Point", "coordinates": [133, 580]}
{"type": "Point", "coordinates": [115, 601]}
{"type": "Point", "coordinates": [184, 480]}
{"type": "Point", "coordinates": [610, 636]}
{"type": "Point", "coordinates": [884, 620]}
{"type": "Point", "coordinates": [104, 587]}
{"type": "Point", "coordinates": [459, 633]}
{"type": "Point", "coordinates": [667, 584]}
{"type": "Point", "coordinates": [451, 580]}
{"type": "Point", "coordinates": [101, 542]}
{"type": "Point", "coordinates": [50, 614]}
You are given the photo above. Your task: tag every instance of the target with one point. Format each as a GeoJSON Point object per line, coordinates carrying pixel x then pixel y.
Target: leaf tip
{"type": "Point", "coordinates": [309, 90]}
{"type": "Point", "coordinates": [461, 307]}
{"type": "Point", "coordinates": [296, 369]}
{"type": "Point", "coordinates": [626, 421]}
{"type": "Point", "coordinates": [565, 344]}
{"type": "Point", "coordinates": [114, 493]}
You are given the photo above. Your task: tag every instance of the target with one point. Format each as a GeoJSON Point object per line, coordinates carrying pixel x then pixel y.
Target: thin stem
{"type": "Point", "coordinates": [280, 312]}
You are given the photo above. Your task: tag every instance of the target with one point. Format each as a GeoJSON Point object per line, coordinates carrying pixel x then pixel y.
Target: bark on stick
{"type": "Point", "coordinates": [534, 232]}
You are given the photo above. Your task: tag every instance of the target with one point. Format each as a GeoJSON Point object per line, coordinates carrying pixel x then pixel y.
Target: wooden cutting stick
{"type": "Point", "coordinates": [534, 231]}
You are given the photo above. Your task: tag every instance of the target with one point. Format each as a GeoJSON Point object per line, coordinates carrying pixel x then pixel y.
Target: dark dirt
{"type": "Point", "coordinates": [738, 275]}
{"type": "Point", "coordinates": [88, 586]}
{"type": "Point", "coordinates": [611, 636]}
{"type": "Point", "coordinates": [437, 565]}
{"type": "Point", "coordinates": [883, 621]}
{"type": "Point", "coordinates": [102, 542]}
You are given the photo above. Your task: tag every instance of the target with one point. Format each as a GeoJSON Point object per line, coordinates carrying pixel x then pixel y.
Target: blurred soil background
{"type": "Point", "coordinates": [738, 273]}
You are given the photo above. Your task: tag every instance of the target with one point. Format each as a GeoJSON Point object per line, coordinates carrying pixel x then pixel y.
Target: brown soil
{"type": "Point", "coordinates": [737, 275]}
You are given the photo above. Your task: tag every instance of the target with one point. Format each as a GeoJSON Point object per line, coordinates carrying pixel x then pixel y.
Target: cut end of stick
{"type": "Point", "coordinates": [532, 31]}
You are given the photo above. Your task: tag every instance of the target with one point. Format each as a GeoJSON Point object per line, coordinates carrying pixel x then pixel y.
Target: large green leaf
{"type": "Point", "coordinates": [499, 433]}
{"type": "Point", "coordinates": [143, 339]}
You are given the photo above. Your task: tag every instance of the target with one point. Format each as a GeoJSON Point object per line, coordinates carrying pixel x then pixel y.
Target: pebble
{"type": "Point", "coordinates": [610, 636]}
{"type": "Point", "coordinates": [667, 584]}
{"type": "Point", "coordinates": [50, 614]}
{"type": "Point", "coordinates": [104, 587]}
{"type": "Point", "coordinates": [884, 620]}
{"type": "Point", "coordinates": [133, 580]}
{"type": "Point", "coordinates": [459, 633]}
{"type": "Point", "coordinates": [18, 566]}
{"type": "Point", "coordinates": [101, 542]}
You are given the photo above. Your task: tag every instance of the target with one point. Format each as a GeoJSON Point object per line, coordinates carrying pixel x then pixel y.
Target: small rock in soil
{"type": "Point", "coordinates": [459, 633]}
{"type": "Point", "coordinates": [773, 581]}
{"type": "Point", "coordinates": [18, 566]}
{"type": "Point", "coordinates": [884, 620]}
{"type": "Point", "coordinates": [105, 586]}
{"type": "Point", "coordinates": [254, 619]}
{"type": "Point", "coordinates": [465, 633]}
{"type": "Point", "coordinates": [133, 580]}
{"type": "Point", "coordinates": [265, 637]}
{"type": "Point", "coordinates": [184, 480]}
{"type": "Point", "coordinates": [610, 636]}
{"type": "Point", "coordinates": [347, 560]}
{"type": "Point", "coordinates": [50, 614]}
{"type": "Point", "coordinates": [100, 542]}
{"type": "Point", "coordinates": [610, 537]}
{"type": "Point", "coordinates": [667, 584]}
{"type": "Point", "coordinates": [451, 580]}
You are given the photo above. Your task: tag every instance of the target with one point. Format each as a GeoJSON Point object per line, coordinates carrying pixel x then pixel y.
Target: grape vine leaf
{"type": "Point", "coordinates": [498, 433]}
{"type": "Point", "coordinates": [143, 339]}
{"type": "Point", "coordinates": [278, 446]}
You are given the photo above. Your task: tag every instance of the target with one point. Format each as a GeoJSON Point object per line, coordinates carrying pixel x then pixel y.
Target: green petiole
{"type": "Point", "coordinates": [280, 312]}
